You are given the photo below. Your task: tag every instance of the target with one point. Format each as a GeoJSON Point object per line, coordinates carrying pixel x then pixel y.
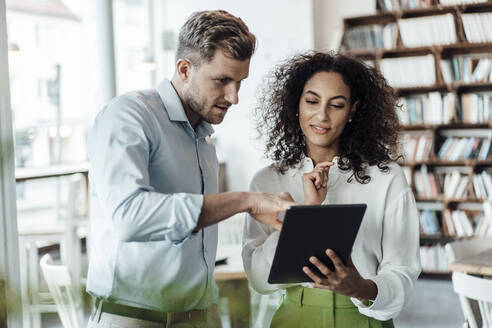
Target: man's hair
{"type": "Point", "coordinates": [206, 31]}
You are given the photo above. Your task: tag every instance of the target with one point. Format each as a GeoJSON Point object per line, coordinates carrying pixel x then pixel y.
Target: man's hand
{"type": "Point", "coordinates": [264, 207]}
{"type": "Point", "coordinates": [314, 184]}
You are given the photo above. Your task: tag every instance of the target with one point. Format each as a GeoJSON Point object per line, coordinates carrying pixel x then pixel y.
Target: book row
{"type": "Point", "coordinates": [452, 183]}
{"type": "Point", "coordinates": [430, 108]}
{"type": "Point", "coordinates": [463, 148]}
{"type": "Point", "coordinates": [419, 148]}
{"type": "Point", "coordinates": [436, 108]}
{"type": "Point", "coordinates": [456, 223]}
{"type": "Point", "coordinates": [434, 258]}
{"type": "Point", "coordinates": [416, 148]}
{"type": "Point", "coordinates": [371, 37]}
{"type": "Point", "coordinates": [443, 181]}
{"type": "Point", "coordinates": [411, 71]}
{"type": "Point", "coordinates": [428, 30]}
{"type": "Point", "coordinates": [477, 27]}
{"type": "Point", "coordinates": [459, 2]}
{"type": "Point", "coordinates": [466, 69]}
{"type": "Point", "coordinates": [390, 5]}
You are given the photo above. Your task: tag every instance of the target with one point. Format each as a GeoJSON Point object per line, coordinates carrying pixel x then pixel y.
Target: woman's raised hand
{"type": "Point", "coordinates": [314, 184]}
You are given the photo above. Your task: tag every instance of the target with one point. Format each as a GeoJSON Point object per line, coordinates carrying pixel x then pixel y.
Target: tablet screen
{"type": "Point", "coordinates": [310, 230]}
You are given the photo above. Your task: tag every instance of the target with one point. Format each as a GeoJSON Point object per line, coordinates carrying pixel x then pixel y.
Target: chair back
{"type": "Point", "coordinates": [478, 289]}
{"type": "Point", "coordinates": [60, 285]}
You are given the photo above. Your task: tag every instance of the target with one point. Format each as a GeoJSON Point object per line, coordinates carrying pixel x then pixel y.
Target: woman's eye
{"type": "Point", "coordinates": [311, 101]}
{"type": "Point", "coordinates": [337, 106]}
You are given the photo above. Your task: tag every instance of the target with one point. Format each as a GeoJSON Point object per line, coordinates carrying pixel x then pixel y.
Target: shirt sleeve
{"type": "Point", "coordinates": [259, 245]}
{"type": "Point", "coordinates": [120, 146]}
{"type": "Point", "coordinates": [400, 266]}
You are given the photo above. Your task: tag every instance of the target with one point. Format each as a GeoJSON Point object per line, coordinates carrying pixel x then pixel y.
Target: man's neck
{"type": "Point", "coordinates": [192, 117]}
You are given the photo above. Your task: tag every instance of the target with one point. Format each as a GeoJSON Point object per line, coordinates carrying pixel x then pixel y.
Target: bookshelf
{"type": "Point", "coordinates": [438, 57]}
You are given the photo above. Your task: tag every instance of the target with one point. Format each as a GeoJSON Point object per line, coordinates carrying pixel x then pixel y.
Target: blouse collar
{"type": "Point", "coordinates": [306, 165]}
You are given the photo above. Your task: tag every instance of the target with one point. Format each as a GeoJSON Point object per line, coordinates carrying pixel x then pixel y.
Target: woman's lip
{"type": "Point", "coordinates": [319, 130]}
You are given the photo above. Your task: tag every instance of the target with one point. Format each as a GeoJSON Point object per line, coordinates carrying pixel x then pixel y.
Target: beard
{"type": "Point", "coordinates": [199, 106]}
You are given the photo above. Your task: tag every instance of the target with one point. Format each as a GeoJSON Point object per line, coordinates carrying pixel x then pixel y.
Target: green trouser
{"type": "Point", "coordinates": [309, 307]}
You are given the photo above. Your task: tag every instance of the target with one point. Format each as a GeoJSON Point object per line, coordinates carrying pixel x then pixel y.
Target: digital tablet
{"type": "Point", "coordinates": [310, 230]}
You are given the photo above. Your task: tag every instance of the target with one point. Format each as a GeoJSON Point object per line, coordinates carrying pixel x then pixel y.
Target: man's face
{"type": "Point", "coordinates": [213, 87]}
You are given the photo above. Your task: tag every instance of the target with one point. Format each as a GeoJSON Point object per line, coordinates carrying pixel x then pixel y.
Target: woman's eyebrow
{"type": "Point", "coordinates": [339, 97]}
{"type": "Point", "coordinates": [312, 92]}
{"type": "Point", "coordinates": [332, 98]}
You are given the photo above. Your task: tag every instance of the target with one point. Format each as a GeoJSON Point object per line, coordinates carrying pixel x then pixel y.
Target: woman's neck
{"type": "Point", "coordinates": [321, 154]}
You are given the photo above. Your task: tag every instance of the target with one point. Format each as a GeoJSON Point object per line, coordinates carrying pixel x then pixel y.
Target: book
{"type": "Point", "coordinates": [487, 185]}
{"type": "Point", "coordinates": [482, 70]}
{"type": "Point", "coordinates": [454, 180]}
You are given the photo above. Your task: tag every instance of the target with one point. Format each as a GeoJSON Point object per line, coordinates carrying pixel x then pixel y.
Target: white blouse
{"type": "Point", "coordinates": [386, 249]}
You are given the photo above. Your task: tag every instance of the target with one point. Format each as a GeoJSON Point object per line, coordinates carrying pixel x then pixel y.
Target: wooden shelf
{"type": "Point", "coordinates": [459, 48]}
{"type": "Point", "coordinates": [431, 11]}
{"type": "Point", "coordinates": [466, 8]}
{"type": "Point", "coordinates": [417, 127]}
{"type": "Point", "coordinates": [380, 18]}
{"type": "Point", "coordinates": [419, 90]}
{"type": "Point", "coordinates": [437, 162]}
{"type": "Point", "coordinates": [443, 199]}
{"type": "Point", "coordinates": [459, 87]}
{"type": "Point", "coordinates": [473, 87]}
{"type": "Point", "coordinates": [463, 48]}
{"type": "Point", "coordinates": [436, 131]}
{"type": "Point", "coordinates": [435, 238]}
{"type": "Point", "coordinates": [477, 7]}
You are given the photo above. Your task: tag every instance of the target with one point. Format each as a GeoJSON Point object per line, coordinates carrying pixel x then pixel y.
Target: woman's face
{"type": "Point", "coordinates": [324, 109]}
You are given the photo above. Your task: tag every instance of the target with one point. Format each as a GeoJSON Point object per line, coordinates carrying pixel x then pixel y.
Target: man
{"type": "Point", "coordinates": [154, 183]}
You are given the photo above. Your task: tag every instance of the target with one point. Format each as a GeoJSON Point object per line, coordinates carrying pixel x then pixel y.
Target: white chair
{"type": "Point", "coordinates": [478, 289]}
{"type": "Point", "coordinates": [67, 234]}
{"type": "Point", "coordinates": [61, 287]}
{"type": "Point", "coordinates": [462, 249]}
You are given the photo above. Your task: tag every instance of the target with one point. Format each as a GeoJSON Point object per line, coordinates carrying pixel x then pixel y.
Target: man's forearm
{"type": "Point", "coordinates": [218, 207]}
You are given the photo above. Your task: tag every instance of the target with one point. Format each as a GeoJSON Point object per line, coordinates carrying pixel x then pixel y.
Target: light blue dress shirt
{"type": "Point", "coordinates": [148, 171]}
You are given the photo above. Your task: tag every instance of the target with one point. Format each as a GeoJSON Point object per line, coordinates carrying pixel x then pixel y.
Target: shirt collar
{"type": "Point", "coordinates": [174, 107]}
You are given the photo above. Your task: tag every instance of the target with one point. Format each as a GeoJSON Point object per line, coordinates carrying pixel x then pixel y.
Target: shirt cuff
{"type": "Point", "coordinates": [378, 303]}
{"type": "Point", "coordinates": [187, 210]}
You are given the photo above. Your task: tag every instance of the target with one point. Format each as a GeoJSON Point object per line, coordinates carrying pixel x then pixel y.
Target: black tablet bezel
{"type": "Point", "coordinates": [309, 230]}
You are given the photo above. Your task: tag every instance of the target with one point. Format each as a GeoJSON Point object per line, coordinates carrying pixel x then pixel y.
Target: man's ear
{"type": "Point", "coordinates": [183, 69]}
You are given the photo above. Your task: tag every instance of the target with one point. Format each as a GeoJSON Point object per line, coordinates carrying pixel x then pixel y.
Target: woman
{"type": "Point", "coordinates": [332, 132]}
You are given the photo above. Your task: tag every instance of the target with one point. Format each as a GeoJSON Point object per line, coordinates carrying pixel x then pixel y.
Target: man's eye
{"type": "Point", "coordinates": [222, 81]}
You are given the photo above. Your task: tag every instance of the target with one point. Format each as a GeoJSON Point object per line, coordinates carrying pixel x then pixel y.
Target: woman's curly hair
{"type": "Point", "coordinates": [371, 138]}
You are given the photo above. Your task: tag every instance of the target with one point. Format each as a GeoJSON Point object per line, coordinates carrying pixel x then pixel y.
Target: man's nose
{"type": "Point", "coordinates": [231, 94]}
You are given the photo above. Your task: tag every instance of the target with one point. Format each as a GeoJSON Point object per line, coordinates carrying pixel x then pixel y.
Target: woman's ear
{"type": "Point", "coordinates": [353, 108]}
{"type": "Point", "coordinates": [183, 69]}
